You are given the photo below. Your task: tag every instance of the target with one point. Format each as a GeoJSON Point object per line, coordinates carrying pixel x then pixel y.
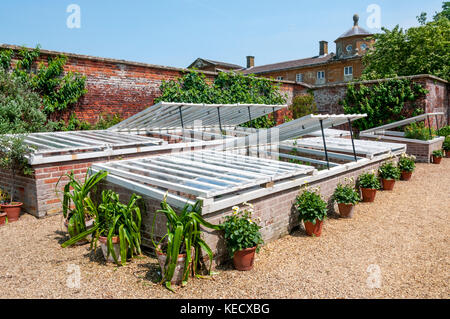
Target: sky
{"type": "Point", "coordinates": [176, 32]}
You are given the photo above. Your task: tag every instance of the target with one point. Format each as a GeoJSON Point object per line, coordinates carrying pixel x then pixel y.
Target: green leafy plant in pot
{"type": "Point", "coordinates": [437, 156]}
{"type": "Point", "coordinates": [446, 146]}
{"type": "Point", "coordinates": [14, 154]}
{"type": "Point", "coordinates": [77, 214]}
{"type": "Point", "coordinates": [312, 210]}
{"type": "Point", "coordinates": [242, 237]}
{"type": "Point", "coordinates": [180, 249]}
{"type": "Point", "coordinates": [117, 227]}
{"type": "Point", "coordinates": [4, 198]}
{"type": "Point", "coordinates": [369, 184]}
{"type": "Point", "coordinates": [407, 165]}
{"type": "Point", "coordinates": [346, 196]}
{"type": "Point", "coordinates": [389, 173]}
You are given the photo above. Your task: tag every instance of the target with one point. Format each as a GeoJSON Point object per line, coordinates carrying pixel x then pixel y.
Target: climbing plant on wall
{"type": "Point", "coordinates": [227, 88]}
{"type": "Point", "coordinates": [383, 102]}
{"type": "Point", "coordinates": [57, 90]}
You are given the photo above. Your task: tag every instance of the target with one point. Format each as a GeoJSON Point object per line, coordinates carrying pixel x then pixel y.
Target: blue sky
{"type": "Point", "coordinates": [176, 32]}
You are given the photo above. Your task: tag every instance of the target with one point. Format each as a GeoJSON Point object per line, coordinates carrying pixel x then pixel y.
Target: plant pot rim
{"type": "Point", "coordinates": [160, 252]}
{"type": "Point", "coordinates": [3, 214]}
{"type": "Point", "coordinates": [103, 239]}
{"type": "Point", "coordinates": [372, 189]}
{"type": "Point", "coordinates": [247, 249]}
{"type": "Point", "coordinates": [349, 204]}
{"type": "Point", "coordinates": [13, 204]}
{"type": "Point", "coordinates": [388, 179]}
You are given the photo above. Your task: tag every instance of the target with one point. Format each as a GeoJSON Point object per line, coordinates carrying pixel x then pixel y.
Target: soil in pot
{"type": "Point", "coordinates": [243, 259]}
{"type": "Point", "coordinates": [177, 278]}
{"type": "Point", "coordinates": [314, 229]}
{"type": "Point", "coordinates": [368, 194]}
{"type": "Point", "coordinates": [12, 210]}
{"type": "Point", "coordinates": [116, 247]}
{"type": "Point", "coordinates": [406, 176]}
{"type": "Point", "coordinates": [2, 218]}
{"type": "Point", "coordinates": [388, 184]}
{"type": "Point", "coordinates": [346, 210]}
{"type": "Point", "coordinates": [437, 160]}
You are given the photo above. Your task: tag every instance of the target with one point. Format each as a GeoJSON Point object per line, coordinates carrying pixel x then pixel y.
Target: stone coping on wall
{"type": "Point", "coordinates": [402, 139]}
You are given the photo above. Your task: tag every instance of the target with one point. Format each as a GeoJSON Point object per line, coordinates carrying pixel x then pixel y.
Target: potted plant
{"type": "Point", "coordinates": [446, 146]}
{"type": "Point", "coordinates": [312, 210]}
{"type": "Point", "coordinates": [180, 249]}
{"type": "Point", "coordinates": [117, 226]}
{"type": "Point", "coordinates": [14, 155]}
{"type": "Point", "coordinates": [243, 237]}
{"type": "Point", "coordinates": [369, 184]}
{"type": "Point", "coordinates": [346, 196]}
{"type": "Point", "coordinates": [4, 197]}
{"type": "Point", "coordinates": [406, 164]}
{"type": "Point", "coordinates": [437, 156]}
{"type": "Point", "coordinates": [389, 173]}
{"type": "Point", "coordinates": [78, 217]}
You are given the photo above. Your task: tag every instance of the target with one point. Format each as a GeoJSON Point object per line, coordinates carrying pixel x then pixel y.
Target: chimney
{"type": "Point", "coordinates": [250, 61]}
{"type": "Point", "coordinates": [323, 48]}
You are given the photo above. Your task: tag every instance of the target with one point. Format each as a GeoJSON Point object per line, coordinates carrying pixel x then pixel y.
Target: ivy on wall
{"type": "Point", "coordinates": [227, 88]}
{"type": "Point", "coordinates": [383, 102]}
{"type": "Point", "coordinates": [57, 90]}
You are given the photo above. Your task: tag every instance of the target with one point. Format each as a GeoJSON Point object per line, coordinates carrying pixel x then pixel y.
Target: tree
{"type": "Point", "coordinates": [302, 105]}
{"type": "Point", "coordinates": [417, 50]}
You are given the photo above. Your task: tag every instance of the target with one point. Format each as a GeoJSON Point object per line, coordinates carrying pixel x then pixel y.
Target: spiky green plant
{"type": "Point", "coordinates": [183, 236]}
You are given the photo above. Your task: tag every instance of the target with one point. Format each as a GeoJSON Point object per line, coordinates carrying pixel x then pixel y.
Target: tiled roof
{"type": "Point", "coordinates": [288, 64]}
{"type": "Point", "coordinates": [231, 65]}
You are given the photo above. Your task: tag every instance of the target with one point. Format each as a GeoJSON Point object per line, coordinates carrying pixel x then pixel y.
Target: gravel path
{"type": "Point", "coordinates": [404, 235]}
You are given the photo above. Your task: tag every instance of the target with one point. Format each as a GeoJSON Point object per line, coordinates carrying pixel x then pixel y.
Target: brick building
{"type": "Point", "coordinates": [342, 66]}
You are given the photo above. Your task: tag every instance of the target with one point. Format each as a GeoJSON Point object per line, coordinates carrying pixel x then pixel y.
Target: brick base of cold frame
{"type": "Point", "coordinates": [422, 151]}
{"type": "Point", "coordinates": [276, 211]}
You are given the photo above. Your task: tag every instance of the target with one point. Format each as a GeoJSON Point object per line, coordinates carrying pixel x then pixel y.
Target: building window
{"type": "Point", "coordinates": [348, 70]}
{"type": "Point", "coordinates": [279, 78]}
{"type": "Point", "coordinates": [321, 75]}
{"type": "Point", "coordinates": [299, 77]}
{"type": "Point", "coordinates": [363, 47]}
{"type": "Point", "coordinates": [349, 48]}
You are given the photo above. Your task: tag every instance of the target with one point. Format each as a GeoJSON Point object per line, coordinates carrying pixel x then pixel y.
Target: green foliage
{"type": "Point", "coordinates": [302, 105]}
{"type": "Point", "coordinates": [311, 206]}
{"type": "Point", "coordinates": [75, 201]}
{"type": "Point", "coordinates": [346, 194]}
{"type": "Point", "coordinates": [444, 131]}
{"type": "Point", "coordinates": [57, 90]}
{"type": "Point", "coordinates": [369, 180]}
{"type": "Point", "coordinates": [105, 121]}
{"type": "Point", "coordinates": [227, 88]}
{"type": "Point", "coordinates": [438, 153]}
{"type": "Point", "coordinates": [4, 197]}
{"type": "Point", "coordinates": [417, 50]}
{"type": "Point", "coordinates": [446, 145]}
{"type": "Point", "coordinates": [183, 236]}
{"type": "Point", "coordinates": [14, 155]}
{"type": "Point", "coordinates": [406, 163]}
{"type": "Point", "coordinates": [418, 131]}
{"type": "Point", "coordinates": [20, 110]}
{"type": "Point", "coordinates": [383, 102]}
{"type": "Point", "coordinates": [389, 171]}
{"type": "Point", "coordinates": [241, 232]}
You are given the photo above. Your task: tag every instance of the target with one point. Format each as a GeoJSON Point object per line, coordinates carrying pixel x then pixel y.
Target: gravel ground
{"type": "Point", "coordinates": [404, 235]}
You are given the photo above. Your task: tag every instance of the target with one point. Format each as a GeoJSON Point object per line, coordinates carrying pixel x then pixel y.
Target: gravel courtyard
{"type": "Point", "coordinates": [404, 235]}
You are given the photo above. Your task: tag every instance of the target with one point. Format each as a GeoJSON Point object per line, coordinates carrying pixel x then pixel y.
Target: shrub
{"type": "Point", "coordinates": [302, 105]}
{"type": "Point", "coordinates": [369, 180]}
{"type": "Point", "coordinates": [438, 153]}
{"type": "Point", "coordinates": [241, 231]}
{"type": "Point", "coordinates": [311, 206]}
{"type": "Point", "coordinates": [389, 171]}
{"type": "Point", "coordinates": [444, 131]}
{"type": "Point", "coordinates": [446, 145]}
{"type": "Point", "coordinates": [406, 163]}
{"type": "Point", "coordinates": [418, 131]}
{"type": "Point", "coordinates": [346, 194]}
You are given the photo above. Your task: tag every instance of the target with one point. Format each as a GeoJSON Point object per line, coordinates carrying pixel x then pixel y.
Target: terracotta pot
{"type": "Point", "coordinates": [388, 184]}
{"type": "Point", "coordinates": [437, 160]}
{"type": "Point", "coordinates": [243, 259]}
{"type": "Point", "coordinates": [116, 247]}
{"type": "Point", "coordinates": [2, 218]}
{"type": "Point", "coordinates": [314, 230]}
{"type": "Point", "coordinates": [177, 278]}
{"type": "Point", "coordinates": [406, 176]}
{"type": "Point", "coordinates": [346, 210]}
{"type": "Point", "coordinates": [447, 154]}
{"type": "Point", "coordinates": [368, 194]}
{"type": "Point", "coordinates": [12, 210]}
